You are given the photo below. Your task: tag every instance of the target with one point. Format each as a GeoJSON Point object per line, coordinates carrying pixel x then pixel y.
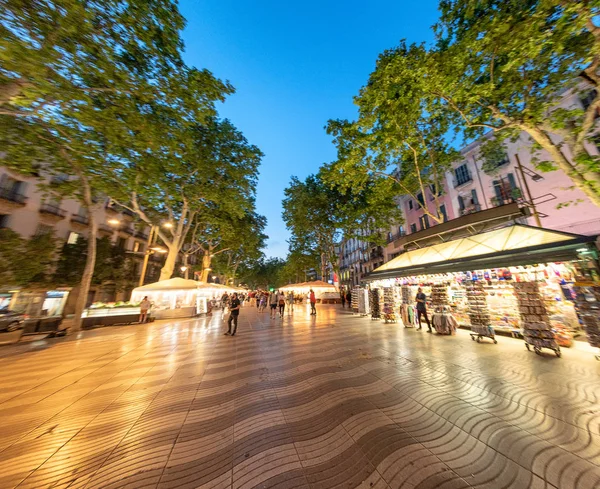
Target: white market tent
{"type": "Point", "coordinates": [175, 292]}
{"type": "Point", "coordinates": [322, 290]}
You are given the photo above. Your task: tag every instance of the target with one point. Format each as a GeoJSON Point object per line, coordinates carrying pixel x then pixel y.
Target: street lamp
{"type": "Point", "coordinates": [114, 222]}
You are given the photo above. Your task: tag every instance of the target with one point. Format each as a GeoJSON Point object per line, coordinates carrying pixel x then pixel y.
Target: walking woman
{"type": "Point", "coordinates": [281, 303]}
{"type": "Point", "coordinates": [313, 303]}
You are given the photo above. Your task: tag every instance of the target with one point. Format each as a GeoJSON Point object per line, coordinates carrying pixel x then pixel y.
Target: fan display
{"type": "Point", "coordinates": [374, 304]}
{"type": "Point", "coordinates": [442, 319]}
{"type": "Point", "coordinates": [534, 318]}
{"type": "Point", "coordinates": [479, 314]}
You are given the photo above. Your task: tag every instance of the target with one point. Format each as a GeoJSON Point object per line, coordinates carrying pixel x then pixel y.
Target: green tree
{"type": "Point", "coordinates": [400, 144]}
{"type": "Point", "coordinates": [26, 261]}
{"type": "Point", "coordinates": [324, 208]}
{"type": "Point", "coordinates": [505, 66]}
{"type": "Point", "coordinates": [79, 80]}
{"type": "Point", "coordinates": [210, 173]}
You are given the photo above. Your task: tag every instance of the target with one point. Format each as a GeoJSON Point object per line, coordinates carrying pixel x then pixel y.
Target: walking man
{"type": "Point", "coordinates": [273, 299]}
{"type": "Point", "coordinates": [343, 297]}
{"type": "Point", "coordinates": [144, 306]}
{"type": "Point", "coordinates": [234, 308]}
{"type": "Point", "coordinates": [422, 309]}
{"type": "Point", "coordinates": [313, 303]}
{"type": "Point", "coordinates": [290, 301]}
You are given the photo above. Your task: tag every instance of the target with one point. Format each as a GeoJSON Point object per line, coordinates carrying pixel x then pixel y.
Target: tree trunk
{"type": "Point", "coordinates": [586, 186]}
{"type": "Point", "coordinates": [166, 272]}
{"type": "Point", "coordinates": [323, 267]}
{"type": "Point", "coordinates": [206, 260]}
{"type": "Point", "coordinates": [90, 262]}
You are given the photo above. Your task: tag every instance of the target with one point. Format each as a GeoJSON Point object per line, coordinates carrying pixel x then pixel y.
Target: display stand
{"type": "Point", "coordinates": [389, 314]}
{"type": "Point", "coordinates": [534, 317]}
{"type": "Point", "coordinates": [442, 319]}
{"type": "Point", "coordinates": [354, 300]}
{"type": "Point", "coordinates": [374, 304]}
{"type": "Point", "coordinates": [363, 302]}
{"type": "Point", "coordinates": [479, 314]}
{"type": "Point", "coordinates": [407, 310]}
{"type": "Point", "coordinates": [588, 310]}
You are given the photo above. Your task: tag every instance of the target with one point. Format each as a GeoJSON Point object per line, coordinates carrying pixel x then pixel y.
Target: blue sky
{"type": "Point", "coordinates": [294, 66]}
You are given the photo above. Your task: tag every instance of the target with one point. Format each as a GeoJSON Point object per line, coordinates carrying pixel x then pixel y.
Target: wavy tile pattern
{"type": "Point", "coordinates": [334, 401]}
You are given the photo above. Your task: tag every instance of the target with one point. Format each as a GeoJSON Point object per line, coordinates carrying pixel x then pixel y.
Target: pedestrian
{"type": "Point", "coordinates": [349, 299]}
{"type": "Point", "coordinates": [224, 300]}
{"type": "Point", "coordinates": [422, 309]}
{"type": "Point", "coordinates": [234, 308]}
{"type": "Point", "coordinates": [144, 306]}
{"type": "Point", "coordinates": [290, 301]}
{"type": "Point", "coordinates": [313, 302]}
{"type": "Point", "coordinates": [257, 295]}
{"type": "Point", "coordinates": [343, 297]}
{"type": "Point", "coordinates": [281, 303]}
{"type": "Point", "coordinates": [262, 302]}
{"type": "Point", "coordinates": [273, 299]}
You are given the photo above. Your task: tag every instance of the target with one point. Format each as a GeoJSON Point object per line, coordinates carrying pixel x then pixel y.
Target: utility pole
{"type": "Point", "coordinates": [536, 216]}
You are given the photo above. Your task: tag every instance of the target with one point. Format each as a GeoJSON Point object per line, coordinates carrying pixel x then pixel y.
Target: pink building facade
{"type": "Point", "coordinates": [550, 199]}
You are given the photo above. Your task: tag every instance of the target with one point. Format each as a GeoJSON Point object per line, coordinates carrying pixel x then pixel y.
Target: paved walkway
{"type": "Point", "coordinates": [336, 401]}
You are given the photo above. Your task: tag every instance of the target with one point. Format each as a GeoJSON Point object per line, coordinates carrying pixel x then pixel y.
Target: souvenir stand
{"type": "Point", "coordinates": [514, 279]}
{"type": "Point", "coordinates": [374, 304]}
{"type": "Point", "coordinates": [389, 305]}
{"type": "Point", "coordinates": [534, 316]}
{"type": "Point", "coordinates": [479, 314]}
{"type": "Point", "coordinates": [407, 309]}
{"type": "Point", "coordinates": [442, 319]}
{"type": "Point", "coordinates": [588, 309]}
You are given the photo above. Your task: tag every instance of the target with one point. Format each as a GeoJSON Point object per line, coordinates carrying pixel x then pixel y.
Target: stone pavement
{"type": "Point", "coordinates": [303, 402]}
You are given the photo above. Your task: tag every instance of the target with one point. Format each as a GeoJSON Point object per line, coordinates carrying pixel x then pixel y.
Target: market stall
{"type": "Point", "coordinates": [177, 297]}
{"type": "Point", "coordinates": [324, 292]}
{"type": "Point", "coordinates": [474, 279]}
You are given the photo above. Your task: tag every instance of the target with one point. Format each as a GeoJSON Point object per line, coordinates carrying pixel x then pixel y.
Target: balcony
{"type": "Point", "coordinates": [79, 220]}
{"type": "Point", "coordinates": [127, 230]}
{"type": "Point", "coordinates": [12, 196]}
{"type": "Point", "coordinates": [470, 209]}
{"type": "Point", "coordinates": [53, 211]}
{"type": "Point", "coordinates": [141, 235]}
{"type": "Point", "coordinates": [393, 237]}
{"type": "Point", "coordinates": [106, 229]}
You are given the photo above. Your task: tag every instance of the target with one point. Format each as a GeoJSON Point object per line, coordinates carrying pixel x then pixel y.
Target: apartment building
{"type": "Point", "coordinates": [27, 211]}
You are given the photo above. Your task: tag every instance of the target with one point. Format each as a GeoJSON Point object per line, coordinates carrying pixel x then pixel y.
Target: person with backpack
{"type": "Point", "coordinates": [281, 303]}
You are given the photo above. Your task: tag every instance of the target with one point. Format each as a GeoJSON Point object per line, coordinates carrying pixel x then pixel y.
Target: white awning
{"type": "Point", "coordinates": [512, 238]}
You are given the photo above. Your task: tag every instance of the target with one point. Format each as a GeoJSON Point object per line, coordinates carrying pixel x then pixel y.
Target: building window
{"type": "Point", "coordinates": [122, 243]}
{"type": "Point", "coordinates": [420, 199]}
{"type": "Point", "coordinates": [462, 175]}
{"type": "Point", "coordinates": [4, 220]}
{"type": "Point", "coordinates": [588, 98]}
{"type": "Point", "coordinates": [461, 204]}
{"type": "Point", "coordinates": [424, 221]}
{"type": "Point", "coordinates": [43, 229]}
{"type": "Point", "coordinates": [11, 189]}
{"type": "Point", "coordinates": [413, 228]}
{"type": "Point", "coordinates": [410, 204]}
{"type": "Point", "coordinates": [443, 213]}
{"type": "Point", "coordinates": [401, 231]}
{"type": "Point", "coordinates": [72, 238]}
{"type": "Point", "coordinates": [474, 198]}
